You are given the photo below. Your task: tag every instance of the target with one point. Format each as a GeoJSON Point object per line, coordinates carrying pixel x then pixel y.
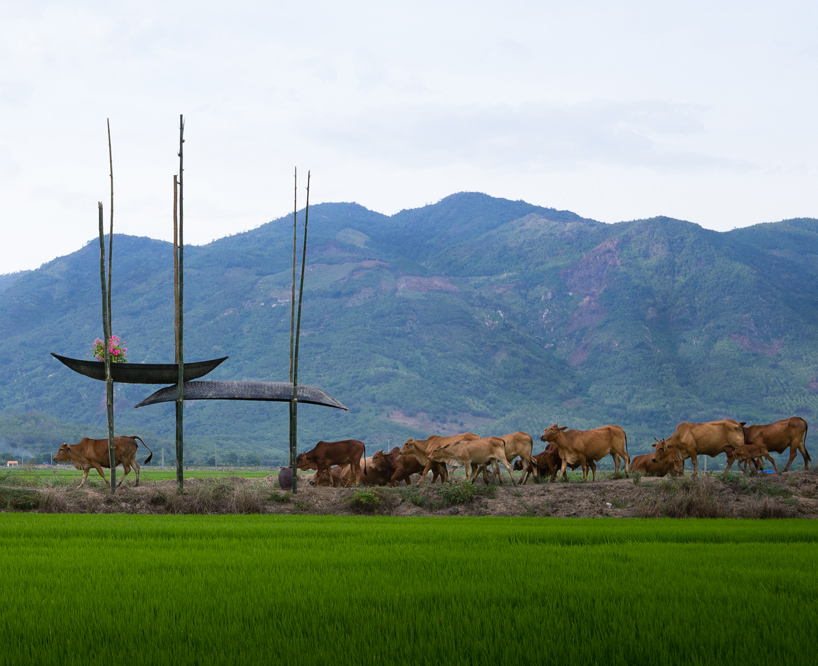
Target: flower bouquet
{"type": "Point", "coordinates": [116, 349]}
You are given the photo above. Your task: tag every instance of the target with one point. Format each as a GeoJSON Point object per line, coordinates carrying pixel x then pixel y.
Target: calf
{"type": "Point", "coordinates": [326, 454]}
{"type": "Point", "coordinates": [755, 453]}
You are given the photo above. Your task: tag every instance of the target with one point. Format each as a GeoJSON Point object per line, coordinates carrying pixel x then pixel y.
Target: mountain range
{"type": "Point", "coordinates": [474, 313]}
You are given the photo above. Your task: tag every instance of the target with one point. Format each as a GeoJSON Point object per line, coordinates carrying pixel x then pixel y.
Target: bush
{"type": "Point", "coordinates": [365, 501]}
{"type": "Point", "coordinates": [457, 492]}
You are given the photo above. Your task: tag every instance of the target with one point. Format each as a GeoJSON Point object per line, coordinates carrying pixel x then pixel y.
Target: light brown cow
{"type": "Point", "coordinates": [473, 453]}
{"type": "Point", "coordinates": [779, 436]}
{"type": "Point", "coordinates": [586, 446]}
{"type": "Point", "coordinates": [326, 454]}
{"type": "Point", "coordinates": [421, 448]}
{"type": "Point", "coordinates": [94, 453]}
{"type": "Point", "coordinates": [691, 440]}
{"type": "Point", "coordinates": [644, 463]}
{"type": "Point", "coordinates": [755, 454]}
{"type": "Point", "coordinates": [520, 444]}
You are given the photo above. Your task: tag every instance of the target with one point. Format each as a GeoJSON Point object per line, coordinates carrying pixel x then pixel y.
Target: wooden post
{"type": "Point", "coordinates": [180, 400]}
{"type": "Point", "coordinates": [106, 333]}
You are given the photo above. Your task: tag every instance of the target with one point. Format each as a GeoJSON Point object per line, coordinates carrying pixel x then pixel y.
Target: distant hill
{"type": "Point", "coordinates": [474, 313]}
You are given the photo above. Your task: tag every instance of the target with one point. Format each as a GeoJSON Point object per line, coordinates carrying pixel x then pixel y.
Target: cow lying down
{"type": "Point", "coordinates": [94, 453]}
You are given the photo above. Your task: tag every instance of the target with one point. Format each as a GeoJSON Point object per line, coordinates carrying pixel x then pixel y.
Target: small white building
{"type": "Point", "coordinates": [12, 463]}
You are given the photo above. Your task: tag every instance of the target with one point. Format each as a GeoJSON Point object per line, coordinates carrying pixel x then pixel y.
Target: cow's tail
{"type": "Point", "coordinates": [364, 458]}
{"type": "Point", "coordinates": [148, 459]}
{"type": "Point", "coordinates": [806, 430]}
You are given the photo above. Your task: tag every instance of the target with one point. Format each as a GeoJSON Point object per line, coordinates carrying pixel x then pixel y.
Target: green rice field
{"type": "Point", "coordinates": [338, 590]}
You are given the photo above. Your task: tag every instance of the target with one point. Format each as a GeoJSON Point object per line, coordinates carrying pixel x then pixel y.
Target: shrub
{"type": "Point", "coordinates": [365, 501]}
{"type": "Point", "coordinates": [457, 492]}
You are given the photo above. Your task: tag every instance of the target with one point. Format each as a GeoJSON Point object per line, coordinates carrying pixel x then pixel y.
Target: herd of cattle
{"type": "Point", "coordinates": [344, 463]}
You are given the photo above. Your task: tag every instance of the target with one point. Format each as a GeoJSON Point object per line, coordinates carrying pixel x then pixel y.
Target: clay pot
{"type": "Point", "coordinates": [285, 478]}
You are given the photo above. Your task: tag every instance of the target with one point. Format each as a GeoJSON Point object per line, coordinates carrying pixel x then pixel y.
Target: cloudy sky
{"type": "Point", "coordinates": [704, 111]}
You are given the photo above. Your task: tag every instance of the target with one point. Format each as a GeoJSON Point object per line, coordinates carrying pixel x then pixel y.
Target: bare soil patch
{"type": "Point", "coordinates": [791, 495]}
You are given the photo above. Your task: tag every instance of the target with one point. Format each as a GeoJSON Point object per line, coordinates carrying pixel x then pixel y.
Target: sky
{"type": "Point", "coordinates": [702, 111]}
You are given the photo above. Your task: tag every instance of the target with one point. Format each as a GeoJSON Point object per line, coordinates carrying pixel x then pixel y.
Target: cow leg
{"type": "Point", "coordinates": [793, 453]}
{"type": "Point", "coordinates": [84, 477]}
{"type": "Point", "coordinates": [615, 457]}
{"type": "Point", "coordinates": [695, 461]}
{"type": "Point", "coordinates": [98, 467]}
{"type": "Point", "coordinates": [136, 468]}
{"type": "Point", "coordinates": [507, 465]}
{"type": "Point", "coordinates": [125, 468]}
{"type": "Point", "coordinates": [561, 474]}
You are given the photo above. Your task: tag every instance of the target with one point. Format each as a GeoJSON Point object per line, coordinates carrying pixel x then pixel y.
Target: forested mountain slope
{"type": "Point", "coordinates": [473, 313]}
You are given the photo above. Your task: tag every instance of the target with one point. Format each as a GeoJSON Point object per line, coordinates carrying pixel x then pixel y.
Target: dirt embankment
{"type": "Point", "coordinates": [794, 494]}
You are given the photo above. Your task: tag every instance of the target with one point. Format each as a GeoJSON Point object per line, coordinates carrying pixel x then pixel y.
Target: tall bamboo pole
{"type": "Point", "coordinates": [106, 333]}
{"type": "Point", "coordinates": [175, 269]}
{"type": "Point", "coordinates": [180, 312]}
{"type": "Point", "coordinates": [294, 401]}
{"type": "Point", "coordinates": [111, 234]}
{"type": "Point", "coordinates": [293, 444]}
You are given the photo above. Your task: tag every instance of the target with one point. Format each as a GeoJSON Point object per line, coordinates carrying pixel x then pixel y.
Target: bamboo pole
{"type": "Point", "coordinates": [106, 333]}
{"type": "Point", "coordinates": [175, 269]}
{"type": "Point", "coordinates": [180, 313]}
{"type": "Point", "coordinates": [293, 445]}
{"type": "Point", "coordinates": [111, 234]}
{"type": "Point", "coordinates": [294, 402]}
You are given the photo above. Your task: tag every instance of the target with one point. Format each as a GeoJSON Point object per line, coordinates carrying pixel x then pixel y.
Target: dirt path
{"type": "Point", "coordinates": [794, 494]}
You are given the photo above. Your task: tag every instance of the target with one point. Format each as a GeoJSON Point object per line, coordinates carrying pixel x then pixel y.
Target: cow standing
{"type": "Point", "coordinates": [777, 437]}
{"type": "Point", "coordinates": [326, 454]}
{"type": "Point", "coordinates": [690, 440]}
{"type": "Point", "coordinates": [94, 453]}
{"type": "Point", "coordinates": [589, 446]}
{"type": "Point", "coordinates": [419, 449]}
{"type": "Point", "coordinates": [474, 453]}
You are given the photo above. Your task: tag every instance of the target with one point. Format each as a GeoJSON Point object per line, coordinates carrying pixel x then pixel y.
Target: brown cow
{"type": "Point", "coordinates": [326, 454]}
{"type": "Point", "coordinates": [549, 462]}
{"type": "Point", "coordinates": [419, 449]}
{"type": "Point", "coordinates": [399, 468]}
{"type": "Point", "coordinates": [691, 440]}
{"type": "Point", "coordinates": [644, 463]}
{"type": "Point", "coordinates": [779, 436]}
{"type": "Point", "coordinates": [754, 453]}
{"type": "Point", "coordinates": [583, 446]}
{"type": "Point", "coordinates": [473, 453]}
{"type": "Point", "coordinates": [94, 453]}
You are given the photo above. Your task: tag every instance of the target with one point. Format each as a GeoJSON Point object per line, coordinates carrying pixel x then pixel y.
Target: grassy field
{"type": "Point", "coordinates": [261, 589]}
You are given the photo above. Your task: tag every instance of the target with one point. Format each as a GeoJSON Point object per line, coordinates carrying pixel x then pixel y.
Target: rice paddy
{"type": "Point", "coordinates": [341, 590]}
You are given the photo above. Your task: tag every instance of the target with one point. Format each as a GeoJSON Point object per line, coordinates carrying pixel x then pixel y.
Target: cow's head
{"type": "Point", "coordinates": [410, 448]}
{"type": "Point", "coordinates": [378, 461]}
{"type": "Point", "coordinates": [305, 460]}
{"type": "Point", "coordinates": [442, 453]}
{"type": "Point", "coordinates": [552, 432]}
{"type": "Point", "coordinates": [662, 452]}
{"type": "Point", "coordinates": [518, 465]}
{"type": "Point", "coordinates": [63, 453]}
